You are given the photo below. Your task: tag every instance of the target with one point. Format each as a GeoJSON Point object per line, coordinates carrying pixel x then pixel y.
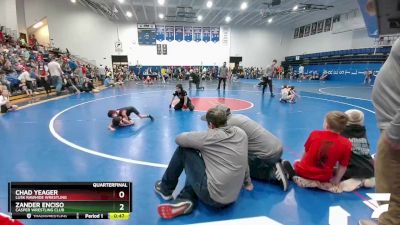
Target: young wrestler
{"type": "Point", "coordinates": [121, 117]}
{"type": "Point", "coordinates": [360, 171]}
{"type": "Point", "coordinates": [184, 101]}
{"type": "Point", "coordinates": [292, 94]}
{"type": "Point", "coordinates": [288, 94]}
{"type": "Point", "coordinates": [323, 150]}
{"type": "Point", "coordinates": [285, 94]}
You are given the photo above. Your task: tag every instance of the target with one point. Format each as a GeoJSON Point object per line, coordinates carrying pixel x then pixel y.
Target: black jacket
{"type": "Point", "coordinates": [361, 162]}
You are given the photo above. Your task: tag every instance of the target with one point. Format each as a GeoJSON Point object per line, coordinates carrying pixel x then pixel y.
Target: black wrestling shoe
{"type": "Point", "coordinates": [151, 117]}
{"type": "Point", "coordinates": [159, 191]}
{"type": "Point", "coordinates": [280, 176]}
{"type": "Point", "coordinates": [290, 173]}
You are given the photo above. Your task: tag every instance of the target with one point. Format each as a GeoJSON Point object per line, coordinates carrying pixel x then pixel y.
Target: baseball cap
{"type": "Point", "coordinates": [224, 108]}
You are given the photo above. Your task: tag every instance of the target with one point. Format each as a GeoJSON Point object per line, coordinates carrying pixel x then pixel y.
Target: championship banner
{"type": "Point", "coordinates": [206, 34]}
{"type": "Point", "coordinates": [214, 34]}
{"type": "Point", "coordinates": [169, 33]}
{"type": "Point", "coordinates": [188, 31]}
{"type": "Point", "coordinates": [160, 32]}
{"type": "Point", "coordinates": [178, 33]}
{"type": "Point", "coordinates": [197, 34]}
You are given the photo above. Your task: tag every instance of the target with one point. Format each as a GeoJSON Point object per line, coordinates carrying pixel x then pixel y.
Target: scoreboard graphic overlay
{"type": "Point", "coordinates": [70, 200]}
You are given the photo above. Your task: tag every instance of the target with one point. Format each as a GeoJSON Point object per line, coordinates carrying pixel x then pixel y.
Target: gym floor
{"type": "Point", "coordinates": [68, 140]}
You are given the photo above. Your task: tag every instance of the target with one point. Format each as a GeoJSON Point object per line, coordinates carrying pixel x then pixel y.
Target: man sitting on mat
{"type": "Point", "coordinates": [121, 117]}
{"type": "Point", "coordinates": [265, 151]}
{"type": "Point", "coordinates": [215, 163]}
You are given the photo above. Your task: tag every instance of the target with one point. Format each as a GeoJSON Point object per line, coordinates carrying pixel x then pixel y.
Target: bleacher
{"type": "Point", "coordinates": [344, 65]}
{"type": "Point", "coordinates": [21, 98]}
{"type": "Point", "coordinates": [362, 55]}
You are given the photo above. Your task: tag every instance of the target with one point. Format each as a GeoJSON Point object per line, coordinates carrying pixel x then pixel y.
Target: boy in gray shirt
{"type": "Point", "coordinates": [215, 163]}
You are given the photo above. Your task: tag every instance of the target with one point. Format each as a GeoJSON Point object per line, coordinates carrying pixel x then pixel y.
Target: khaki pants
{"type": "Point", "coordinates": [387, 174]}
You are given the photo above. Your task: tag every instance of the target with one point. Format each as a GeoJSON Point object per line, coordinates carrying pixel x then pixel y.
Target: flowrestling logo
{"type": "Point", "coordinates": [377, 198]}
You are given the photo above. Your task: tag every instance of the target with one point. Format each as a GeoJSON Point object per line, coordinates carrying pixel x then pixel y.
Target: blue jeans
{"type": "Point", "coordinates": [57, 82]}
{"type": "Point", "coordinates": [196, 177]}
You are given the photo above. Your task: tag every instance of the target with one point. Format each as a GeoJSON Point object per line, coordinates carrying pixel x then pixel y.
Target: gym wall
{"type": "Point", "coordinates": [93, 36]}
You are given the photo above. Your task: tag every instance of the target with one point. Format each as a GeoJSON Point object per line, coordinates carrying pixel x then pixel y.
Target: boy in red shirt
{"type": "Point", "coordinates": [323, 150]}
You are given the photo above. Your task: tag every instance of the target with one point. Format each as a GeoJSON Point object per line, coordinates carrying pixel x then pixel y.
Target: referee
{"type": "Point", "coordinates": [267, 77]}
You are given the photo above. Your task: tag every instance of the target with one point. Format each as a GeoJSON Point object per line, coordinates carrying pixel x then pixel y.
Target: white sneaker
{"type": "Point", "coordinates": [367, 222]}
{"type": "Point", "coordinates": [369, 183]}
{"type": "Point", "coordinates": [350, 184]}
{"type": "Point", "coordinates": [280, 175]}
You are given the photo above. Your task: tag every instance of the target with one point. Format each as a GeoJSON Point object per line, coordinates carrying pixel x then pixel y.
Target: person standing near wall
{"type": "Point", "coordinates": [223, 72]}
{"type": "Point", "coordinates": [301, 72]}
{"type": "Point", "coordinates": [386, 99]}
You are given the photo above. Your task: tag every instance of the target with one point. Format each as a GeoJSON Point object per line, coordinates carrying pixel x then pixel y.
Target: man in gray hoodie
{"type": "Point", "coordinates": [386, 99]}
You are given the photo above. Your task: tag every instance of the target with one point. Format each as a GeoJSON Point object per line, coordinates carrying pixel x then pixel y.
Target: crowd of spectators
{"type": "Point", "coordinates": [26, 67]}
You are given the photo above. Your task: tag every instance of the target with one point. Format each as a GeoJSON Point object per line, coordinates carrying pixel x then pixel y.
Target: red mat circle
{"type": "Point", "coordinates": [203, 104]}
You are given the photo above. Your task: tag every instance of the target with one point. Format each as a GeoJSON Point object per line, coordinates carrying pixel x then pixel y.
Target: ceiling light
{"type": "Point", "coordinates": [199, 18]}
{"type": "Point", "coordinates": [228, 19]}
{"type": "Point", "coordinates": [270, 20]}
{"type": "Point", "coordinates": [161, 16]}
{"type": "Point", "coordinates": [129, 14]}
{"type": "Point", "coordinates": [209, 4]}
{"type": "Point", "coordinates": [161, 2]}
{"type": "Point", "coordinates": [295, 7]}
{"type": "Point", "coordinates": [121, 1]}
{"type": "Point", "coordinates": [243, 6]}
{"type": "Point", "coordinates": [73, 1]}
{"type": "Point", "coordinates": [36, 26]}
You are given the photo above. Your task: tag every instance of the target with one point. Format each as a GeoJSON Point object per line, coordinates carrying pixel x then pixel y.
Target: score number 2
{"type": "Point", "coordinates": [121, 194]}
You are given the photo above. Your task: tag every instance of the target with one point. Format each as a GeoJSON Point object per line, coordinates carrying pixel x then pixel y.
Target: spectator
{"type": "Point", "coordinates": [87, 86]}
{"type": "Point", "coordinates": [323, 150]}
{"type": "Point", "coordinates": [2, 38]}
{"type": "Point", "coordinates": [26, 84]}
{"type": "Point", "coordinates": [214, 161]}
{"type": "Point", "coordinates": [56, 73]}
{"type": "Point", "coordinates": [386, 99]}
{"type": "Point", "coordinates": [4, 81]}
{"type": "Point", "coordinates": [301, 71]}
{"type": "Point", "coordinates": [5, 103]}
{"type": "Point", "coordinates": [32, 41]}
{"type": "Point", "coordinates": [360, 171]}
{"type": "Point", "coordinates": [108, 82]}
{"type": "Point", "coordinates": [264, 151]}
